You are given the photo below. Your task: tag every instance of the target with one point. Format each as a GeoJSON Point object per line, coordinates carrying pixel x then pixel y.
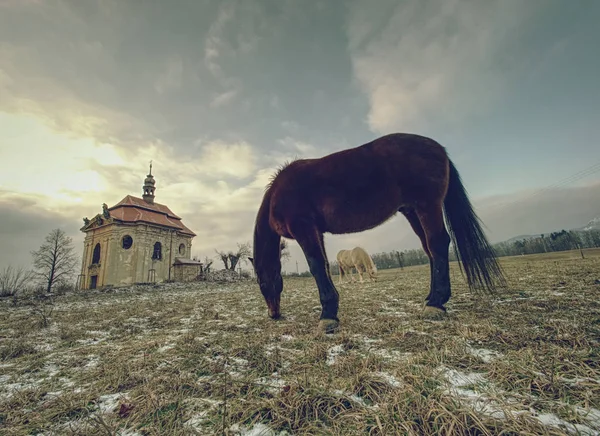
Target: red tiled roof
{"type": "Point", "coordinates": [132, 209]}
{"type": "Point", "coordinates": [130, 200]}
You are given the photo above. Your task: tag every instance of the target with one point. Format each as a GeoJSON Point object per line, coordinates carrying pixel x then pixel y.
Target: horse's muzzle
{"type": "Point", "coordinates": [273, 307]}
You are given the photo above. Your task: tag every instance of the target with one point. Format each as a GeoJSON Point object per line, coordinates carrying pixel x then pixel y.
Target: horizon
{"type": "Point", "coordinates": [218, 94]}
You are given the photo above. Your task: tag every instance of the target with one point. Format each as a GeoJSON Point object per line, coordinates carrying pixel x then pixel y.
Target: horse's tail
{"type": "Point", "coordinates": [468, 239]}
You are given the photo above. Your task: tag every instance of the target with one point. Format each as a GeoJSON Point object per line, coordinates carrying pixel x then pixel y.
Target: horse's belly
{"type": "Point", "coordinates": [340, 220]}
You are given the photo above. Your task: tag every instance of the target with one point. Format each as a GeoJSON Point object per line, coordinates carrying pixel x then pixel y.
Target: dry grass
{"type": "Point", "coordinates": [205, 359]}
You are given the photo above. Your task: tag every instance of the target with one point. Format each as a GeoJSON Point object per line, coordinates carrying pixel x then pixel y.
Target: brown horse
{"type": "Point", "coordinates": [358, 189]}
{"type": "Point", "coordinates": [356, 258]}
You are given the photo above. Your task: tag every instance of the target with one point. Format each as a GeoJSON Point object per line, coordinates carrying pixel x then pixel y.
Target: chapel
{"type": "Point", "coordinates": [136, 241]}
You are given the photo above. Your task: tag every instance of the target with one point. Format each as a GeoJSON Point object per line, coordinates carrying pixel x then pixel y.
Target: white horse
{"type": "Point", "coordinates": [359, 259]}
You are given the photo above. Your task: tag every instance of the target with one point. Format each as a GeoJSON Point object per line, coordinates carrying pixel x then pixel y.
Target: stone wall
{"type": "Point", "coordinates": [186, 273]}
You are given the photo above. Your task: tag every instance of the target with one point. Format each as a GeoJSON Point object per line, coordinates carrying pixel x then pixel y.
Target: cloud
{"type": "Point", "coordinates": [423, 64]}
{"type": "Point", "coordinates": [224, 98]}
{"type": "Point", "coordinates": [171, 78]}
{"type": "Point", "coordinates": [24, 227]}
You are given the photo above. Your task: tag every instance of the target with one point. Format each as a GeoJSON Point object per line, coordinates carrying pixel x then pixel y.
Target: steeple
{"type": "Point", "coordinates": [149, 187]}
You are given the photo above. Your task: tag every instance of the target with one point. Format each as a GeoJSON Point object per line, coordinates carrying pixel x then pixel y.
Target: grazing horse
{"type": "Point", "coordinates": [359, 259]}
{"type": "Point", "coordinates": [358, 189]}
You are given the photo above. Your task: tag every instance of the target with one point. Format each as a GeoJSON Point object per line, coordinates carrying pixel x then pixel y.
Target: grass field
{"type": "Point", "coordinates": [205, 359]}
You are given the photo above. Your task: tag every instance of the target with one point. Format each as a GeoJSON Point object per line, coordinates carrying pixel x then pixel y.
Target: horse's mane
{"type": "Point", "coordinates": [278, 171]}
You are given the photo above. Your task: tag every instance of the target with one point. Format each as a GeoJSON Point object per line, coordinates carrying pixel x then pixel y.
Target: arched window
{"type": "Point", "coordinates": [182, 249]}
{"type": "Point", "coordinates": [157, 254]}
{"type": "Point", "coordinates": [96, 255]}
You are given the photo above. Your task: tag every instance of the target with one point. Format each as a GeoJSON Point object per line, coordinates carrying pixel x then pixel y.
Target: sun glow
{"type": "Point", "coordinates": [36, 160]}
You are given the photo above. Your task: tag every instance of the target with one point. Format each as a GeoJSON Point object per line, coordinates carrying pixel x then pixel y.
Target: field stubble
{"type": "Point", "coordinates": [204, 358]}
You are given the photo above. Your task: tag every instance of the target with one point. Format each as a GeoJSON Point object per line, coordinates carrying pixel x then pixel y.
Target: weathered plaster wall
{"type": "Point", "coordinates": [120, 266]}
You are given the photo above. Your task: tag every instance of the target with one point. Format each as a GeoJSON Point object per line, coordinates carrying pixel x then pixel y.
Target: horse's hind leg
{"type": "Point", "coordinates": [438, 241]}
{"type": "Point", "coordinates": [311, 242]}
{"type": "Point", "coordinates": [415, 223]}
{"type": "Point", "coordinates": [357, 266]}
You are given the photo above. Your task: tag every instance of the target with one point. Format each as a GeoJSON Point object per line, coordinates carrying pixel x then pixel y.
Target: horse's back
{"type": "Point", "coordinates": [359, 255]}
{"type": "Point", "coordinates": [359, 188]}
{"type": "Point", "coordinates": [343, 257]}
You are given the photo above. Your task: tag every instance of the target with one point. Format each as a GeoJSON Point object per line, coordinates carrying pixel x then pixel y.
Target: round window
{"type": "Point", "coordinates": [127, 242]}
{"type": "Point", "coordinates": [182, 249]}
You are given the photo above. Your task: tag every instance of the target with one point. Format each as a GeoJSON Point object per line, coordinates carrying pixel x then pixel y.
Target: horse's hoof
{"type": "Point", "coordinates": [434, 313]}
{"type": "Point", "coordinates": [328, 325]}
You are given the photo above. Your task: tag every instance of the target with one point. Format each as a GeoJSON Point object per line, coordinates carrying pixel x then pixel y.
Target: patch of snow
{"type": "Point", "coordinates": [51, 369]}
{"type": "Point", "coordinates": [44, 347]}
{"type": "Point", "coordinates": [333, 353]}
{"type": "Point", "coordinates": [14, 388]}
{"type": "Point", "coordinates": [478, 401]}
{"type": "Point", "coordinates": [108, 403]}
{"type": "Point", "coordinates": [258, 429]}
{"type": "Point", "coordinates": [458, 378]}
{"type": "Point", "coordinates": [165, 348]}
{"type": "Point", "coordinates": [389, 378]}
{"type": "Point", "coordinates": [91, 341]}
{"type": "Point", "coordinates": [127, 432]}
{"type": "Point", "coordinates": [197, 420]}
{"type": "Point", "coordinates": [551, 420]}
{"type": "Point", "coordinates": [93, 362]}
{"type": "Point", "coordinates": [274, 383]}
{"type": "Point", "coordinates": [367, 340]}
{"type": "Point", "coordinates": [237, 361]}
{"type": "Point", "coordinates": [391, 354]}
{"type": "Point", "coordinates": [483, 353]}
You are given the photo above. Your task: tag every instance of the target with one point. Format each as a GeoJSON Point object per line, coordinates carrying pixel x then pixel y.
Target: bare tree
{"type": "Point", "coordinates": [55, 260]}
{"type": "Point", "coordinates": [231, 259]}
{"type": "Point", "coordinates": [242, 251]}
{"type": "Point", "coordinates": [14, 281]}
{"type": "Point", "coordinates": [284, 250]}
{"type": "Point", "coordinates": [207, 263]}
{"type": "Point", "coordinates": [224, 257]}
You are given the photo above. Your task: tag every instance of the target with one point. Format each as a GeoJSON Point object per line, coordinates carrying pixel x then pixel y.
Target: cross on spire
{"type": "Point", "coordinates": [150, 167]}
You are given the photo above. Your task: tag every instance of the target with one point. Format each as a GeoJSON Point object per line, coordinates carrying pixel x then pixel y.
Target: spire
{"type": "Point", "coordinates": [149, 187]}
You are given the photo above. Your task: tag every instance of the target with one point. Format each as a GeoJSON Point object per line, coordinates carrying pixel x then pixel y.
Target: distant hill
{"type": "Point", "coordinates": [594, 224]}
{"type": "Point", "coordinates": [521, 237]}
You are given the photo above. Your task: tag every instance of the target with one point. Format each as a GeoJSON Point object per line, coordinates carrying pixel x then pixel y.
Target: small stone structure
{"type": "Point", "coordinates": [186, 270]}
{"type": "Point", "coordinates": [136, 241]}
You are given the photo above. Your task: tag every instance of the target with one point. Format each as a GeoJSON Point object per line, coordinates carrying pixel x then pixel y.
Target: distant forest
{"type": "Point", "coordinates": [556, 241]}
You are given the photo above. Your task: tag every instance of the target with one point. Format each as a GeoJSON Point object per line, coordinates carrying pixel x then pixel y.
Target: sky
{"type": "Point", "coordinates": [219, 93]}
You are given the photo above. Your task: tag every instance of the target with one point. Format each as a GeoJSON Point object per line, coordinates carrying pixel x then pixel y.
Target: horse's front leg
{"type": "Point", "coordinates": [359, 273]}
{"type": "Point", "coordinates": [311, 242]}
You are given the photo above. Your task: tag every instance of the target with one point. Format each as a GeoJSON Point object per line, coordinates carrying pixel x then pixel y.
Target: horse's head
{"type": "Point", "coordinates": [271, 289]}
{"type": "Point", "coordinates": [373, 272]}
{"type": "Point", "coordinates": [271, 286]}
